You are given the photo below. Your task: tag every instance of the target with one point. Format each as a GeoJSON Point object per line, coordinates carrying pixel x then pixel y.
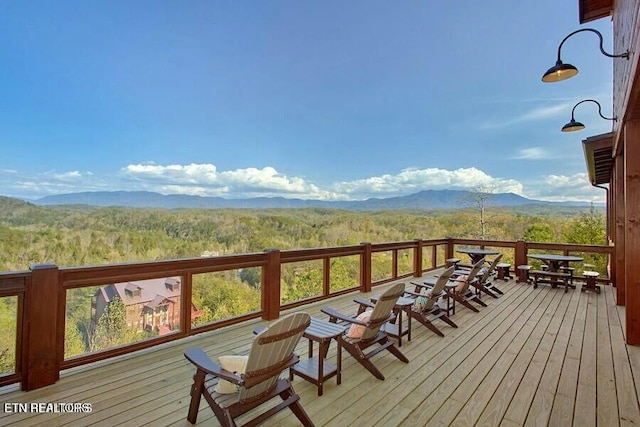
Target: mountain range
{"type": "Point", "coordinates": [423, 200]}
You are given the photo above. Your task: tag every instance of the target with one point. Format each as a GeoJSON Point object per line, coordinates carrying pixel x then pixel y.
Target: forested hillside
{"type": "Point", "coordinates": [76, 236]}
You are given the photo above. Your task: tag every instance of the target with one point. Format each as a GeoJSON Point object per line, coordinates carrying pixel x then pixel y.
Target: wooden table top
{"type": "Point", "coordinates": [554, 257]}
{"type": "Point", "coordinates": [477, 251]}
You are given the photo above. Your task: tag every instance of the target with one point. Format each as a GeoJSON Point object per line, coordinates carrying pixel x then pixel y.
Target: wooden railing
{"type": "Point", "coordinates": [42, 292]}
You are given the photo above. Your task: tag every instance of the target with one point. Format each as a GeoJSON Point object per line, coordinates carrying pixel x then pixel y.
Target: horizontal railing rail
{"type": "Point", "coordinates": [41, 293]}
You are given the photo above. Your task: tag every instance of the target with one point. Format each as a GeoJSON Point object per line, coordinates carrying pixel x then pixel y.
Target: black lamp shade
{"type": "Point", "coordinates": [572, 126]}
{"type": "Point", "coordinates": [559, 72]}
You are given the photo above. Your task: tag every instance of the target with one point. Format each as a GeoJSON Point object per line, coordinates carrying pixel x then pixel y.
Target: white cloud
{"type": "Point", "coordinates": [207, 180]}
{"type": "Point", "coordinates": [68, 176]}
{"type": "Point", "coordinates": [535, 114]}
{"type": "Point", "coordinates": [51, 182]}
{"type": "Point", "coordinates": [413, 180]}
{"type": "Point", "coordinates": [560, 188]}
{"type": "Point", "coordinates": [533, 153]}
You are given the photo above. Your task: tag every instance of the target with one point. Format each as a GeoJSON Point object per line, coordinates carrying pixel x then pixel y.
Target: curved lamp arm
{"type": "Point", "coordinates": [599, 110]}
{"type": "Point", "coordinates": [622, 55]}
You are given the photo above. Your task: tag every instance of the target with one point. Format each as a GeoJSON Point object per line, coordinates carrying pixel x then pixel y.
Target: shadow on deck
{"type": "Point", "coordinates": [532, 357]}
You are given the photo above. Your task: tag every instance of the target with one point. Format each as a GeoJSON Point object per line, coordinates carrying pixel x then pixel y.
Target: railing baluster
{"type": "Point", "coordinates": [326, 276]}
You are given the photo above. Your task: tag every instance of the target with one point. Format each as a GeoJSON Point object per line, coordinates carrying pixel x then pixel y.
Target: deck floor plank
{"type": "Point", "coordinates": [585, 405]}
{"type": "Point", "coordinates": [607, 399]}
{"type": "Point", "coordinates": [441, 383]}
{"type": "Point", "coordinates": [522, 379]}
{"type": "Point", "coordinates": [628, 410]}
{"type": "Point", "coordinates": [564, 402]}
{"type": "Point", "coordinates": [542, 405]}
{"type": "Point", "coordinates": [524, 397]}
{"type": "Point", "coordinates": [502, 381]}
{"type": "Point", "coordinates": [532, 357]}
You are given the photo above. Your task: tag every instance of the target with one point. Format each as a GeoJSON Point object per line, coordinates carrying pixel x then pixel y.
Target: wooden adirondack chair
{"type": "Point", "coordinates": [430, 311]}
{"type": "Point", "coordinates": [484, 282]}
{"type": "Point", "coordinates": [373, 335]}
{"type": "Point", "coordinates": [271, 353]}
{"type": "Point", "coordinates": [462, 293]}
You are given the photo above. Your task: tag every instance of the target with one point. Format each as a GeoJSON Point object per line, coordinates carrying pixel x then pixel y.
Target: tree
{"type": "Point", "coordinates": [539, 233]}
{"type": "Point", "coordinates": [588, 229]}
{"type": "Point", "coordinates": [477, 197]}
{"type": "Point", "coordinates": [252, 276]}
{"type": "Point", "coordinates": [112, 327]}
{"type": "Point", "coordinates": [73, 342]}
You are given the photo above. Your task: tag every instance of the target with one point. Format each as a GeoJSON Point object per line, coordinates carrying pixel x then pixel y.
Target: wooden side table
{"type": "Point", "coordinates": [316, 369]}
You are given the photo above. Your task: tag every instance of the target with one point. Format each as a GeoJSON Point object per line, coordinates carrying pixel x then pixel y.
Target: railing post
{"type": "Point", "coordinates": [449, 251]}
{"type": "Point", "coordinates": [417, 258]}
{"type": "Point", "coordinates": [271, 285]}
{"type": "Point", "coordinates": [520, 258]}
{"type": "Point", "coordinates": [365, 267]}
{"type": "Point", "coordinates": [41, 359]}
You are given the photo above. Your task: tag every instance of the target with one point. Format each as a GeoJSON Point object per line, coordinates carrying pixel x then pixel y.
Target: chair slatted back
{"type": "Point", "coordinates": [438, 287]}
{"type": "Point", "coordinates": [382, 310]}
{"type": "Point", "coordinates": [270, 351]}
{"type": "Point", "coordinates": [471, 277]}
{"type": "Point", "coordinates": [490, 270]}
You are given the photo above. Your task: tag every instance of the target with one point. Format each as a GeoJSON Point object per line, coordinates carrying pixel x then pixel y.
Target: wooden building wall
{"type": "Point", "coordinates": [626, 148]}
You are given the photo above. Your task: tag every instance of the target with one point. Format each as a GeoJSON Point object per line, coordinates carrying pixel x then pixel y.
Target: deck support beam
{"type": "Point", "coordinates": [632, 229]}
{"type": "Point", "coordinates": [618, 184]}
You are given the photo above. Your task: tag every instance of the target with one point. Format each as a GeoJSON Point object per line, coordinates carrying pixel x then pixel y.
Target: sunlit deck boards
{"type": "Point", "coordinates": [532, 357]}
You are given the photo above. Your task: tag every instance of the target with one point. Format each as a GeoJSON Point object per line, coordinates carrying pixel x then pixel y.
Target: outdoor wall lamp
{"type": "Point", "coordinates": [562, 71]}
{"type": "Point", "coordinates": [573, 126]}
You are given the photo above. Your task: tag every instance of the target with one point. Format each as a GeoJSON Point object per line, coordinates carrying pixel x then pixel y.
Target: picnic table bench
{"type": "Point", "coordinates": [552, 277]}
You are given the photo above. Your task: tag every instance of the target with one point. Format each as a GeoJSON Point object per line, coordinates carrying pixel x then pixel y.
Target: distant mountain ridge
{"type": "Point", "coordinates": [423, 200]}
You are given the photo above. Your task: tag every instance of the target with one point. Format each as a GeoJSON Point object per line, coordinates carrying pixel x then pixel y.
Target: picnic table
{"type": "Point", "coordinates": [556, 264]}
{"type": "Point", "coordinates": [477, 254]}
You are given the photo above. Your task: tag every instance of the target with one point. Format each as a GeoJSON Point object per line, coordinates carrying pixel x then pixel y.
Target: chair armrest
{"type": "Point", "coordinates": [412, 294]}
{"type": "Point", "coordinates": [204, 363]}
{"type": "Point", "coordinates": [441, 294]}
{"type": "Point", "coordinates": [363, 304]}
{"type": "Point", "coordinates": [420, 286]}
{"type": "Point", "coordinates": [336, 315]}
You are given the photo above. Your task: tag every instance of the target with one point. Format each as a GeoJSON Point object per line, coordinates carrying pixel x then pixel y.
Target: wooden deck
{"type": "Point", "coordinates": [532, 357]}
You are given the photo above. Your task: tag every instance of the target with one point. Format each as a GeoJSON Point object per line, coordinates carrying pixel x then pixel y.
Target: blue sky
{"type": "Point", "coordinates": [315, 99]}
